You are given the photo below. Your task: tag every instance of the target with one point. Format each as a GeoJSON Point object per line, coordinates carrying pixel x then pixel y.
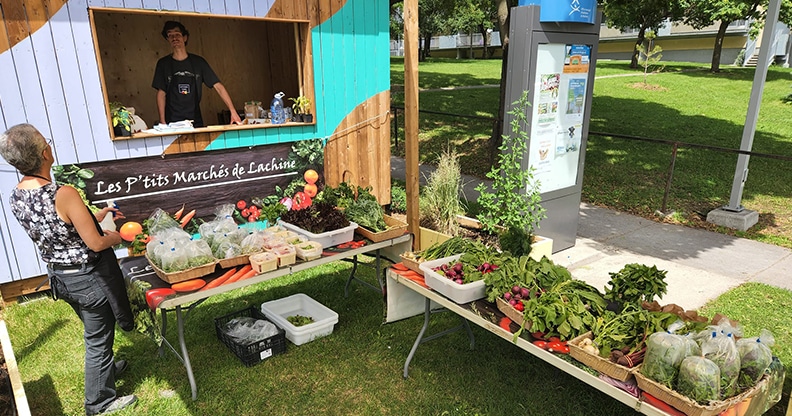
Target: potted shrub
{"type": "Point", "coordinates": [122, 119]}
{"type": "Point", "coordinates": [302, 109]}
{"type": "Point", "coordinates": [513, 201]}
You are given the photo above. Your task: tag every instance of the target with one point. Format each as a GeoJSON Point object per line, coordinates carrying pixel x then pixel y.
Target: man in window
{"type": "Point", "coordinates": [178, 78]}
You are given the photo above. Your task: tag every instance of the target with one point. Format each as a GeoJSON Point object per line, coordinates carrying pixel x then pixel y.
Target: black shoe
{"type": "Point", "coordinates": [120, 403]}
{"type": "Point", "coordinates": [120, 367]}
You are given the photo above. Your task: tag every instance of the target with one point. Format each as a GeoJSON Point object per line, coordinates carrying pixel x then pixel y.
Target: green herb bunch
{"type": "Point", "coordinates": [513, 200]}
{"type": "Point", "coordinates": [636, 283]}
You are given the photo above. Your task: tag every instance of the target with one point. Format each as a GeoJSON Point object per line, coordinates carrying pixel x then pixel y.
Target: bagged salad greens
{"type": "Point", "coordinates": [699, 379]}
{"type": "Point", "coordinates": [664, 353]}
{"type": "Point", "coordinates": [722, 350]}
{"type": "Point", "coordinates": [755, 357]}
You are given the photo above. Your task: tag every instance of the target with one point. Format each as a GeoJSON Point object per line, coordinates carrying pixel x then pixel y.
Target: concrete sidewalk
{"type": "Point", "coordinates": [701, 265]}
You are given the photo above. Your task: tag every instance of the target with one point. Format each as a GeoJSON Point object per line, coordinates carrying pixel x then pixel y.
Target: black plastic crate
{"type": "Point", "coordinates": [255, 352]}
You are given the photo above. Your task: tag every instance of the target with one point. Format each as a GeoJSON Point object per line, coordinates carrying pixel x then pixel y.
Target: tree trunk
{"type": "Point", "coordinates": [716, 51]}
{"type": "Point", "coordinates": [485, 36]}
{"type": "Point", "coordinates": [638, 42]}
{"type": "Point", "coordinates": [427, 45]}
{"type": "Point", "coordinates": [497, 127]}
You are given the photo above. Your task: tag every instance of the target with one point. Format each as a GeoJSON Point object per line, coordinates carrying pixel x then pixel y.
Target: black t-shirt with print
{"type": "Point", "coordinates": [181, 81]}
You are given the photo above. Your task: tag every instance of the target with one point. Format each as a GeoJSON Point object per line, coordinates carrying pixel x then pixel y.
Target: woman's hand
{"type": "Point", "coordinates": [100, 216]}
{"type": "Point", "coordinates": [115, 236]}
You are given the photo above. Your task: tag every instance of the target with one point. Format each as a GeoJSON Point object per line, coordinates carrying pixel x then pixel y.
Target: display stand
{"type": "Point", "coordinates": [138, 268]}
{"type": "Point", "coordinates": [468, 314]}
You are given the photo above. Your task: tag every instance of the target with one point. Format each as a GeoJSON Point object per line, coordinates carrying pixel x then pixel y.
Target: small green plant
{"type": "Point", "coordinates": [120, 116]}
{"type": "Point", "coordinates": [513, 200]}
{"type": "Point", "coordinates": [648, 53]}
{"type": "Point", "coordinates": [398, 199]}
{"type": "Point", "coordinates": [636, 283]}
{"type": "Point", "coordinates": [441, 203]}
{"type": "Point", "coordinates": [302, 105]}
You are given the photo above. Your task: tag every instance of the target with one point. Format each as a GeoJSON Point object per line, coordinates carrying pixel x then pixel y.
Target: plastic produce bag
{"type": "Point", "coordinates": [225, 249]}
{"type": "Point", "coordinates": [160, 220]}
{"type": "Point", "coordinates": [722, 350]}
{"type": "Point", "coordinates": [246, 330]}
{"type": "Point", "coordinates": [755, 357]}
{"type": "Point", "coordinates": [699, 379]}
{"type": "Point", "coordinates": [198, 253]}
{"type": "Point", "coordinates": [253, 243]}
{"type": "Point", "coordinates": [664, 354]}
{"type": "Point", "coordinates": [174, 260]}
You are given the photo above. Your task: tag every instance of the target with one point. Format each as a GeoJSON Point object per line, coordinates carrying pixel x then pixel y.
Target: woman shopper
{"type": "Point", "coordinates": [81, 265]}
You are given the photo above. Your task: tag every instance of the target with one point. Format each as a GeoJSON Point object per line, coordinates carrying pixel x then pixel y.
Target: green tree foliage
{"type": "Point", "coordinates": [643, 15]}
{"type": "Point", "coordinates": [703, 13]}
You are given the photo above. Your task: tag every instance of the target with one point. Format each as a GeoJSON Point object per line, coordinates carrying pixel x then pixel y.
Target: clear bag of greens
{"type": "Point", "coordinates": [199, 253]}
{"type": "Point", "coordinates": [722, 350]}
{"type": "Point", "coordinates": [174, 260]}
{"type": "Point", "coordinates": [238, 235]}
{"type": "Point", "coordinates": [253, 243]}
{"type": "Point", "coordinates": [226, 250]}
{"type": "Point", "coordinates": [699, 379]}
{"type": "Point", "coordinates": [160, 220]}
{"type": "Point", "coordinates": [664, 354]}
{"type": "Point", "coordinates": [755, 357]}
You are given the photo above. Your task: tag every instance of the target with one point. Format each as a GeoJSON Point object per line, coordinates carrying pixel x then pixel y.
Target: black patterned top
{"type": "Point", "coordinates": [57, 241]}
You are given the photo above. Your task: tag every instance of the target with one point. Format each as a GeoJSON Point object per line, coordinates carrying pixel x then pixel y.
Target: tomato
{"type": "Point", "coordinates": [311, 176]}
{"type": "Point", "coordinates": [519, 306]}
{"type": "Point", "coordinates": [538, 335]}
{"type": "Point", "coordinates": [245, 212]}
{"type": "Point", "coordinates": [555, 339]}
{"type": "Point", "coordinates": [505, 323]}
{"type": "Point", "coordinates": [252, 218]}
{"type": "Point", "coordinates": [301, 200]}
{"type": "Point", "coordinates": [540, 344]}
{"type": "Point", "coordinates": [241, 204]}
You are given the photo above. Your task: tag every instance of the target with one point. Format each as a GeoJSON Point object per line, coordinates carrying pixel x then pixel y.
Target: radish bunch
{"type": "Point", "coordinates": [516, 295]}
{"type": "Point", "coordinates": [452, 272]}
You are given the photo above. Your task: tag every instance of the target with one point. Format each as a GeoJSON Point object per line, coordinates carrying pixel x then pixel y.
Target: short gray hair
{"type": "Point", "coordinates": [21, 147]}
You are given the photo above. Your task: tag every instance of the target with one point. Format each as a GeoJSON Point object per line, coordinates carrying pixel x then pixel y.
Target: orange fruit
{"type": "Point", "coordinates": [310, 190]}
{"type": "Point", "coordinates": [129, 230]}
{"type": "Point", "coordinates": [311, 176]}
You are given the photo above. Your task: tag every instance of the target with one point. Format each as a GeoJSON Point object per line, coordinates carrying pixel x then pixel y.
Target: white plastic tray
{"type": "Point", "coordinates": [328, 239]}
{"type": "Point", "coordinates": [464, 293]}
{"type": "Point", "coordinates": [300, 304]}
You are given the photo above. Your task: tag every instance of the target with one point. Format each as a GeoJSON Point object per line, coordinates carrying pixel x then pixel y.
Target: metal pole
{"type": "Point", "coordinates": [760, 76]}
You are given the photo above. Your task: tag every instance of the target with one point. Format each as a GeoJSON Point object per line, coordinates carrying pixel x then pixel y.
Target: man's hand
{"type": "Point", "coordinates": [235, 118]}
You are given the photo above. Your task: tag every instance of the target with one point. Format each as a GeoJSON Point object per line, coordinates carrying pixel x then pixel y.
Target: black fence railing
{"type": "Point", "coordinates": [675, 145]}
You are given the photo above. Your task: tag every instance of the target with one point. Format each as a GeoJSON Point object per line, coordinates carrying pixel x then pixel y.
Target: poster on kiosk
{"type": "Point", "coordinates": [552, 56]}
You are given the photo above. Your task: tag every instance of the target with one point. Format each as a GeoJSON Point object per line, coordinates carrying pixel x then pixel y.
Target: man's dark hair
{"type": "Point", "coordinates": [172, 24]}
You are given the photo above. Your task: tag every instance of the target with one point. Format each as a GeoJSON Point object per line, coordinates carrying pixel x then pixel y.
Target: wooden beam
{"type": "Point", "coordinates": [411, 117]}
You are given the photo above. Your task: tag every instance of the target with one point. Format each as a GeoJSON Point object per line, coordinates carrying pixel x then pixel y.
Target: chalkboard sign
{"type": "Point", "coordinates": [200, 181]}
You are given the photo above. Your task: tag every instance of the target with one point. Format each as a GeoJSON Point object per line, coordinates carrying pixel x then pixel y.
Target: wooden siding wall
{"type": "Point", "coordinates": [51, 79]}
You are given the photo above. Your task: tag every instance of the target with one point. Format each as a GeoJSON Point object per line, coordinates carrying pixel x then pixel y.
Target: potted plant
{"type": "Point", "coordinates": [302, 109]}
{"type": "Point", "coordinates": [122, 119]}
{"type": "Point", "coordinates": [511, 206]}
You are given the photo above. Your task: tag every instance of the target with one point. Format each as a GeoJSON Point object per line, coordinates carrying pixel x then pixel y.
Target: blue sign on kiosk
{"type": "Point", "coordinates": [576, 11]}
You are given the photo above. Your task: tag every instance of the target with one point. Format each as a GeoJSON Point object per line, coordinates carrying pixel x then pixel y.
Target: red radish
{"type": "Point", "coordinates": [525, 293]}
{"type": "Point", "coordinates": [516, 289]}
{"type": "Point", "coordinates": [507, 295]}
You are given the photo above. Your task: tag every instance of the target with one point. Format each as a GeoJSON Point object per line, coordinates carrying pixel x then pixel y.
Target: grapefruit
{"type": "Point", "coordinates": [129, 230]}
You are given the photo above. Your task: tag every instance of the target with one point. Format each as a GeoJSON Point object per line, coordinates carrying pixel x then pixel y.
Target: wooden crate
{"type": "Point", "coordinates": [412, 264]}
{"type": "Point", "coordinates": [511, 312]}
{"type": "Point", "coordinates": [180, 276]}
{"type": "Point", "coordinates": [603, 365]}
{"type": "Point", "coordinates": [395, 229]}
{"type": "Point", "coordinates": [689, 406]}
{"type": "Point", "coordinates": [235, 261]}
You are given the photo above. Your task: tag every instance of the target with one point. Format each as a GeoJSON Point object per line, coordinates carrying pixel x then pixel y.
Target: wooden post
{"type": "Point", "coordinates": [411, 117]}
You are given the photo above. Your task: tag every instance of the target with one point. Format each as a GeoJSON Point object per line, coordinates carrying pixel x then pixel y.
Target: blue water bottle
{"type": "Point", "coordinates": [276, 109]}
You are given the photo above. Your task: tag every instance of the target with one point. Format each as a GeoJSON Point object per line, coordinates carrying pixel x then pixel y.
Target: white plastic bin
{"type": "Point", "coordinates": [300, 304]}
{"type": "Point", "coordinates": [327, 239]}
{"type": "Point", "coordinates": [464, 293]}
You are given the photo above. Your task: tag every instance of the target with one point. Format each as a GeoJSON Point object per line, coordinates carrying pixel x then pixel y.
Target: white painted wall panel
{"type": "Point", "coordinates": [169, 5]}
{"type": "Point", "coordinates": [247, 8]}
{"type": "Point", "coordinates": [216, 6]}
{"type": "Point", "coordinates": [91, 85]}
{"type": "Point", "coordinates": [202, 6]}
{"type": "Point", "coordinates": [152, 4]}
{"type": "Point", "coordinates": [233, 8]}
